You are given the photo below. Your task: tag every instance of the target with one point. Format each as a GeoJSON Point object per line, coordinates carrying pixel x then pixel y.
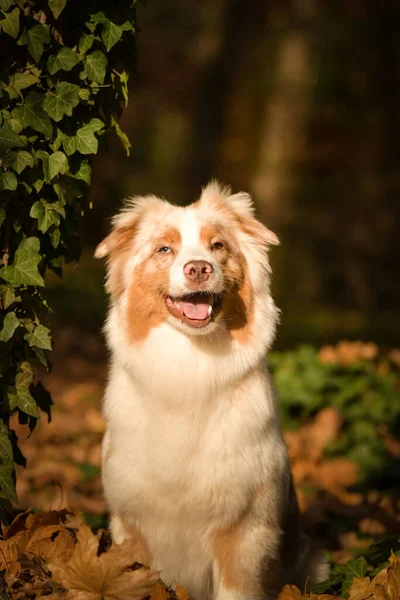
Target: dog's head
{"type": "Point", "coordinates": [197, 268]}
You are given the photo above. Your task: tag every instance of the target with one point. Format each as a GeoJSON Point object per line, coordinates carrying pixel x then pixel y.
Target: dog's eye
{"type": "Point", "coordinates": [217, 246]}
{"type": "Point", "coordinates": [165, 249]}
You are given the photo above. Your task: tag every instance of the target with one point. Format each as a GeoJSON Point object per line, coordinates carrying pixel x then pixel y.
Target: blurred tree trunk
{"type": "Point", "coordinates": [285, 120]}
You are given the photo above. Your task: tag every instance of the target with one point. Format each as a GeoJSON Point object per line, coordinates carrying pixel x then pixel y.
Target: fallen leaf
{"type": "Point", "coordinates": [105, 577]}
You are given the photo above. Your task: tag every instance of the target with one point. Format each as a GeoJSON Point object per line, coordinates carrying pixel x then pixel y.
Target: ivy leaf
{"type": "Point", "coordinates": [46, 216]}
{"type": "Point", "coordinates": [34, 38]}
{"type": "Point", "coordinates": [39, 338]}
{"type": "Point", "coordinates": [21, 81]}
{"type": "Point", "coordinates": [22, 397]}
{"type": "Point", "coordinates": [95, 66]}
{"type": "Point", "coordinates": [58, 162]}
{"type": "Point", "coordinates": [7, 486]}
{"type": "Point", "coordinates": [31, 114]}
{"type": "Point", "coordinates": [5, 4]}
{"type": "Point", "coordinates": [24, 269]}
{"type": "Point", "coordinates": [122, 135]}
{"type": "Point", "coordinates": [7, 296]}
{"type": "Point", "coordinates": [86, 141]}
{"type": "Point", "coordinates": [67, 190]}
{"type": "Point", "coordinates": [69, 144]}
{"type": "Point", "coordinates": [10, 324]}
{"type": "Point", "coordinates": [57, 6]}
{"type": "Point", "coordinates": [84, 172]}
{"type": "Point", "coordinates": [5, 442]}
{"type": "Point", "coordinates": [61, 103]}
{"type": "Point", "coordinates": [65, 60]}
{"type": "Point", "coordinates": [9, 139]}
{"type": "Point", "coordinates": [86, 42]}
{"type": "Point", "coordinates": [111, 34]}
{"type": "Point", "coordinates": [10, 23]}
{"type": "Point", "coordinates": [18, 160]}
{"type": "Point", "coordinates": [357, 567]}
{"type": "Point", "coordinates": [55, 237]}
{"type": "Point", "coordinates": [8, 181]}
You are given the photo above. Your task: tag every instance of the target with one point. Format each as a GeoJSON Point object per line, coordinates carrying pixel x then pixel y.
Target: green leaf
{"type": "Point", "coordinates": [55, 237]}
{"type": "Point", "coordinates": [24, 400]}
{"type": "Point", "coordinates": [67, 190]}
{"type": "Point", "coordinates": [58, 162]}
{"type": "Point", "coordinates": [98, 17]}
{"type": "Point", "coordinates": [21, 81]}
{"type": "Point", "coordinates": [69, 144]}
{"type": "Point", "coordinates": [357, 567]}
{"type": "Point", "coordinates": [111, 34]}
{"type": "Point", "coordinates": [31, 114]}
{"type": "Point", "coordinates": [86, 141]}
{"type": "Point", "coordinates": [84, 94]}
{"type": "Point", "coordinates": [7, 296]}
{"type": "Point", "coordinates": [46, 217]}
{"type": "Point", "coordinates": [65, 60]}
{"type": "Point", "coordinates": [57, 6]}
{"type": "Point", "coordinates": [84, 172]}
{"type": "Point", "coordinates": [53, 164]}
{"type": "Point", "coordinates": [5, 4]}
{"type": "Point", "coordinates": [9, 139]}
{"type": "Point", "coordinates": [8, 181]}
{"type": "Point", "coordinates": [34, 38]}
{"type": "Point", "coordinates": [40, 337]}
{"type": "Point", "coordinates": [18, 160]}
{"type": "Point", "coordinates": [23, 270]}
{"type": "Point", "coordinates": [122, 135]}
{"type": "Point", "coordinates": [62, 102]}
{"type": "Point", "coordinates": [95, 66]}
{"type": "Point", "coordinates": [5, 442]}
{"type": "Point", "coordinates": [10, 324]}
{"type": "Point", "coordinates": [86, 42]}
{"type": "Point", "coordinates": [7, 486]}
{"type": "Point", "coordinates": [10, 23]}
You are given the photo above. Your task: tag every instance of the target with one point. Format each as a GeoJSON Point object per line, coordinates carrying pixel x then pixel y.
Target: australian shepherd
{"type": "Point", "coordinates": [194, 464]}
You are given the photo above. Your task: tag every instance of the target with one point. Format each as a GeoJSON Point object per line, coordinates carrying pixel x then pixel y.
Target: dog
{"type": "Point", "coordinates": [194, 464]}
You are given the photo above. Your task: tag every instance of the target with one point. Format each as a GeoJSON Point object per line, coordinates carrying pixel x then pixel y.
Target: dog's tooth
{"type": "Point", "coordinates": [178, 305]}
{"type": "Point", "coordinates": [210, 310]}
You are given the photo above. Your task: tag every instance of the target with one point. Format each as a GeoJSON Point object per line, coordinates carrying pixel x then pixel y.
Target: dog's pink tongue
{"type": "Point", "coordinates": [193, 310]}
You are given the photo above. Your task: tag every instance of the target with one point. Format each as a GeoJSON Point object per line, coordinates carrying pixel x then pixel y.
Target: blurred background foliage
{"type": "Point", "coordinates": [295, 101]}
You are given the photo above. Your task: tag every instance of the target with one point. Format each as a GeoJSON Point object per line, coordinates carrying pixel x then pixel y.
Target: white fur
{"type": "Point", "coordinates": [193, 428]}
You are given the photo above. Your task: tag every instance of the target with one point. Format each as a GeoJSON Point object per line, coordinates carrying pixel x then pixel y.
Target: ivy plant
{"type": "Point", "coordinates": [63, 83]}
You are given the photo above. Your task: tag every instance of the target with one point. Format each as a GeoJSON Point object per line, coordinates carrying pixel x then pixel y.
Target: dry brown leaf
{"type": "Point", "coordinates": [91, 577]}
{"type": "Point", "coordinates": [290, 592]}
{"type": "Point", "coordinates": [181, 592]}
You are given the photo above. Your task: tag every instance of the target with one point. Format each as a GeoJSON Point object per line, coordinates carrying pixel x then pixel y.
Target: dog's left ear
{"type": "Point", "coordinates": [105, 247]}
{"type": "Point", "coordinates": [242, 205]}
{"type": "Point", "coordinates": [256, 230]}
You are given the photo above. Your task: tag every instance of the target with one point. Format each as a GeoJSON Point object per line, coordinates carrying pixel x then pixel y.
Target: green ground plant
{"type": "Point", "coordinates": [364, 391]}
{"type": "Point", "coordinates": [63, 82]}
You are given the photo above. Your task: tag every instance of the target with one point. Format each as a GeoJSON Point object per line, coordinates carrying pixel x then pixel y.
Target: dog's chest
{"type": "Point", "coordinates": [187, 464]}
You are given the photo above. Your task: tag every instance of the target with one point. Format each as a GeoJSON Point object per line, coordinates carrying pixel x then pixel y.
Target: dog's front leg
{"type": "Point", "coordinates": [244, 563]}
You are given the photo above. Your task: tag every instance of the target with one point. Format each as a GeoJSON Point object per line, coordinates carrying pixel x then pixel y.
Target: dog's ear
{"type": "Point", "coordinates": [242, 206]}
{"type": "Point", "coordinates": [258, 232]}
{"type": "Point", "coordinates": [125, 224]}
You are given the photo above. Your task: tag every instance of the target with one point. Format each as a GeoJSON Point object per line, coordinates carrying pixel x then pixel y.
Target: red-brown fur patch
{"type": "Point", "coordinates": [238, 298]}
{"type": "Point", "coordinates": [150, 281]}
{"type": "Point", "coordinates": [235, 573]}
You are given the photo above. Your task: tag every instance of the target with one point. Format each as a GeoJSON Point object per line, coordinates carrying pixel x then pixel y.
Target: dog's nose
{"type": "Point", "coordinates": [198, 270]}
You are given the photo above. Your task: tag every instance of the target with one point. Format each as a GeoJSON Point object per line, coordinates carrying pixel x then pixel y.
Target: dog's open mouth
{"type": "Point", "coordinates": [197, 309]}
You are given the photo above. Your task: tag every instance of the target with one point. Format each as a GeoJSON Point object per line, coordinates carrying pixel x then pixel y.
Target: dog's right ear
{"type": "Point", "coordinates": [125, 224]}
{"type": "Point", "coordinates": [105, 247]}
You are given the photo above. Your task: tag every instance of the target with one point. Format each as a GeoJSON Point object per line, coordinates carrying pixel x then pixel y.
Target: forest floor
{"type": "Point", "coordinates": [63, 471]}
